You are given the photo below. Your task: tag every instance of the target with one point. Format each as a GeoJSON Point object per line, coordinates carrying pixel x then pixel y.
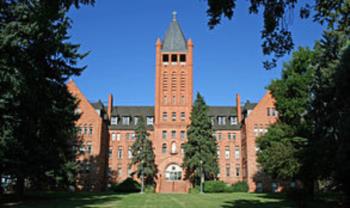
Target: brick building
{"type": "Point", "coordinates": [107, 132]}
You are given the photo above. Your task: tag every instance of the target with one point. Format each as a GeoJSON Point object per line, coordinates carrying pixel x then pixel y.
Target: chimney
{"type": "Point", "coordinates": [110, 106]}
{"type": "Point", "coordinates": [238, 105]}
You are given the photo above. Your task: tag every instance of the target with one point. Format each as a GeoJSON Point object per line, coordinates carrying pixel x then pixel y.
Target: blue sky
{"type": "Point", "coordinates": [121, 37]}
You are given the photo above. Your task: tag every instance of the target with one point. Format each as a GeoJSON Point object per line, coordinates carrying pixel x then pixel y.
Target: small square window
{"type": "Point", "coordinates": [182, 58]}
{"type": "Point", "coordinates": [165, 58]}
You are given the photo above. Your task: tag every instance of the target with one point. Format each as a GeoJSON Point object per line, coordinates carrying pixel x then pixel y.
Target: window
{"type": "Point", "coordinates": [212, 119]}
{"type": "Point", "coordinates": [118, 137]}
{"type": "Point", "coordinates": [164, 134]}
{"type": "Point", "coordinates": [110, 152]}
{"type": "Point", "coordinates": [150, 120]}
{"type": "Point", "coordinates": [129, 153]}
{"type": "Point", "coordinates": [125, 120]}
{"type": "Point", "coordinates": [234, 136]}
{"type": "Point", "coordinates": [222, 120]}
{"type": "Point", "coordinates": [128, 136]}
{"type": "Point", "coordinates": [238, 171]}
{"type": "Point", "coordinates": [165, 116]}
{"type": "Point", "coordinates": [79, 130]}
{"type": "Point", "coordinates": [133, 136]}
{"type": "Point", "coordinates": [174, 100]}
{"type": "Point", "coordinates": [90, 130]}
{"type": "Point", "coordinates": [173, 134]}
{"type": "Point", "coordinates": [182, 100]}
{"type": "Point", "coordinates": [228, 170]}
{"type": "Point", "coordinates": [233, 120]}
{"type": "Point", "coordinates": [173, 172]}
{"type": "Point", "coordinates": [119, 170]}
{"type": "Point", "coordinates": [114, 120]}
{"type": "Point", "coordinates": [237, 152]}
{"type": "Point", "coordinates": [259, 187]}
{"type": "Point", "coordinates": [227, 152]}
{"type": "Point", "coordinates": [274, 187]}
{"type": "Point", "coordinates": [89, 147]}
{"type": "Point", "coordinates": [218, 151]}
{"type": "Point", "coordinates": [164, 148]}
{"type": "Point", "coordinates": [182, 149]}
{"type": "Point", "coordinates": [256, 130]}
{"type": "Point", "coordinates": [173, 58]}
{"type": "Point", "coordinates": [120, 152]}
{"type": "Point", "coordinates": [229, 136]}
{"type": "Point", "coordinates": [182, 116]}
{"type": "Point", "coordinates": [165, 100]}
{"type": "Point", "coordinates": [173, 116]}
{"type": "Point", "coordinates": [219, 136]}
{"type": "Point", "coordinates": [271, 112]}
{"type": "Point", "coordinates": [114, 136]}
{"type": "Point", "coordinates": [182, 135]}
{"type": "Point", "coordinates": [182, 58]}
{"type": "Point", "coordinates": [136, 120]}
{"type": "Point", "coordinates": [165, 58]}
{"type": "Point", "coordinates": [173, 148]}
{"type": "Point", "coordinates": [85, 129]}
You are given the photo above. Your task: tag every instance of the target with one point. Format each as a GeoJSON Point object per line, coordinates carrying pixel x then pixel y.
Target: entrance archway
{"type": "Point", "coordinates": [173, 172]}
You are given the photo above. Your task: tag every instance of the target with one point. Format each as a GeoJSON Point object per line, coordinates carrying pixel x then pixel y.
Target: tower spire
{"type": "Point", "coordinates": [174, 15]}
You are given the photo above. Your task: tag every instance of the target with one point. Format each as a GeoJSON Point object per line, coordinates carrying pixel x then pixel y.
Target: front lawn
{"type": "Point", "coordinates": [109, 200]}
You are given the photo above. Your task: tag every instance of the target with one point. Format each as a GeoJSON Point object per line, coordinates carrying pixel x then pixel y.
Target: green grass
{"type": "Point", "coordinates": [109, 200]}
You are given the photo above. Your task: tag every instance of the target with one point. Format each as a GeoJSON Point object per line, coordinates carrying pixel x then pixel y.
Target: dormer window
{"type": "Point", "coordinates": [233, 120]}
{"type": "Point", "coordinates": [150, 120]}
{"type": "Point", "coordinates": [136, 120]}
{"type": "Point", "coordinates": [221, 120]}
{"type": "Point", "coordinates": [125, 120]}
{"type": "Point", "coordinates": [114, 120]}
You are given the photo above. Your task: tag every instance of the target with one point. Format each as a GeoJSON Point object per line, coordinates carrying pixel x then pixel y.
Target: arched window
{"type": "Point", "coordinates": [173, 148]}
{"type": "Point", "coordinates": [173, 172]}
{"type": "Point", "coordinates": [164, 148]}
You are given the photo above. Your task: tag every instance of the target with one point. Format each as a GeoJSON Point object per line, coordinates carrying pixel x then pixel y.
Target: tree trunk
{"type": "Point", "coordinates": [20, 187]}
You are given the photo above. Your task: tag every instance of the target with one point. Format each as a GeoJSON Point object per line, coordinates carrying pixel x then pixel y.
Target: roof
{"type": "Point", "coordinates": [131, 111]}
{"type": "Point", "coordinates": [249, 106]}
{"type": "Point", "coordinates": [98, 105]}
{"type": "Point", "coordinates": [174, 39]}
{"type": "Point", "coordinates": [225, 111]}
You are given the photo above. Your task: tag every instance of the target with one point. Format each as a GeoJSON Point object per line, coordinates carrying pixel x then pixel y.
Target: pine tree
{"type": "Point", "coordinates": [37, 116]}
{"type": "Point", "coordinates": [143, 154]}
{"type": "Point", "coordinates": [201, 148]}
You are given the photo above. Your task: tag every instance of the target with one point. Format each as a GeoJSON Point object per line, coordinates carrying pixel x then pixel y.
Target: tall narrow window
{"type": "Point", "coordinates": [173, 134]}
{"type": "Point", "coordinates": [183, 116]}
{"type": "Point", "coordinates": [237, 152]}
{"type": "Point", "coordinates": [120, 152]}
{"type": "Point", "coordinates": [90, 130]}
{"type": "Point", "coordinates": [222, 120]}
{"type": "Point", "coordinates": [110, 152]}
{"type": "Point", "coordinates": [238, 170]}
{"type": "Point", "coordinates": [164, 134]}
{"type": "Point", "coordinates": [129, 153]}
{"type": "Point", "coordinates": [173, 148]}
{"type": "Point", "coordinates": [173, 116]}
{"type": "Point", "coordinates": [182, 135]}
{"type": "Point", "coordinates": [89, 147]}
{"type": "Point", "coordinates": [136, 120]}
{"type": "Point", "coordinates": [119, 170]}
{"type": "Point", "coordinates": [165, 116]}
{"type": "Point", "coordinates": [126, 120]}
{"type": "Point", "coordinates": [182, 149]}
{"type": "Point", "coordinates": [114, 136]}
{"type": "Point", "coordinates": [218, 150]}
{"type": "Point", "coordinates": [228, 170]}
{"type": "Point", "coordinates": [174, 100]}
{"type": "Point", "coordinates": [164, 148]}
{"type": "Point", "coordinates": [227, 152]}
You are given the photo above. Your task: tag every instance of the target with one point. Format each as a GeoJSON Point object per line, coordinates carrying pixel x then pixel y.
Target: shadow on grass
{"type": "Point", "coordinates": [62, 200]}
{"type": "Point", "coordinates": [265, 201]}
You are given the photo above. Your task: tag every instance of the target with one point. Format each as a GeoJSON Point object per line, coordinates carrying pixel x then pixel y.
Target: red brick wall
{"type": "Point", "coordinates": [257, 118]}
{"type": "Point", "coordinates": [95, 178]}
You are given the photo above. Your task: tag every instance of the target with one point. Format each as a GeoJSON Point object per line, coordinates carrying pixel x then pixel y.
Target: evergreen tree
{"type": "Point", "coordinates": [37, 115]}
{"type": "Point", "coordinates": [200, 148]}
{"type": "Point", "coordinates": [143, 154]}
{"type": "Point", "coordinates": [282, 148]}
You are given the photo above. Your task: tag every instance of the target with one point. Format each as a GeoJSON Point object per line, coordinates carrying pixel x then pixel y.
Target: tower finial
{"type": "Point", "coordinates": [174, 16]}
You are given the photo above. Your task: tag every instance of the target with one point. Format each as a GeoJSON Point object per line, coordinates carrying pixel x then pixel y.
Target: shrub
{"type": "Point", "coordinates": [128, 185]}
{"type": "Point", "coordinates": [241, 186]}
{"type": "Point", "coordinates": [215, 186]}
{"type": "Point", "coordinates": [194, 190]}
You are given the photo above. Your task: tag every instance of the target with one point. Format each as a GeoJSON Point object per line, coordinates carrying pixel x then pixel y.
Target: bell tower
{"type": "Point", "coordinates": [173, 100]}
